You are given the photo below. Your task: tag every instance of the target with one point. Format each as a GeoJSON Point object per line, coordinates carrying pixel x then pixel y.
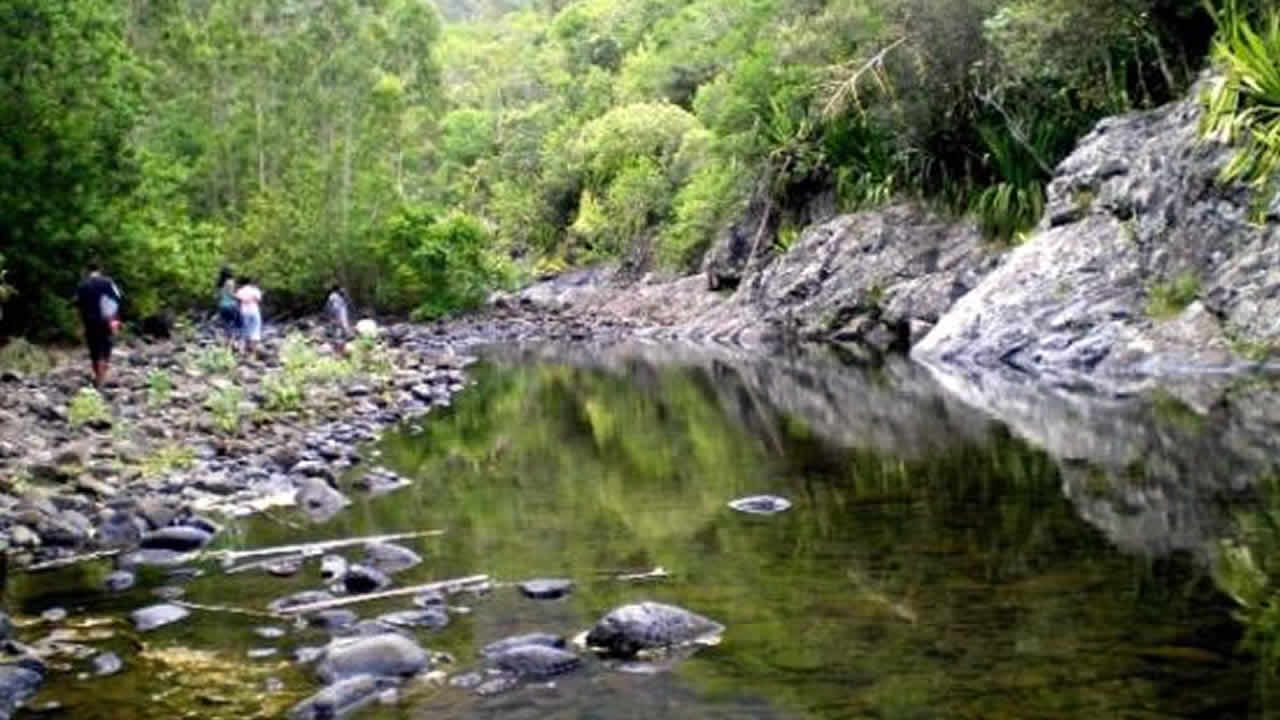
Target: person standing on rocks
{"type": "Point", "coordinates": [337, 309]}
{"type": "Point", "coordinates": [228, 305]}
{"type": "Point", "coordinates": [250, 299]}
{"type": "Point", "coordinates": [98, 300]}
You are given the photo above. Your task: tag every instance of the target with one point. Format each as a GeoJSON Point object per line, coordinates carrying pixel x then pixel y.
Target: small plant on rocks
{"type": "Point", "coordinates": [167, 458]}
{"type": "Point", "coordinates": [217, 360]}
{"type": "Point", "coordinates": [1166, 299]}
{"type": "Point", "coordinates": [283, 392]}
{"type": "Point", "coordinates": [159, 387]}
{"type": "Point", "coordinates": [224, 404]}
{"type": "Point", "coordinates": [87, 407]}
{"type": "Point", "coordinates": [21, 356]}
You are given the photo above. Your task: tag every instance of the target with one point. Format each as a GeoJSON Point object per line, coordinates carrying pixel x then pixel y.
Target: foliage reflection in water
{"type": "Point", "coordinates": [951, 581]}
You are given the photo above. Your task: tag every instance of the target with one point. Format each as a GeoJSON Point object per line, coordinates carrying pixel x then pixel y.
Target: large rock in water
{"type": "Point", "coordinates": [1135, 211]}
{"type": "Point", "coordinates": [631, 628]}
{"type": "Point", "coordinates": [341, 698]}
{"type": "Point", "coordinates": [387, 654]}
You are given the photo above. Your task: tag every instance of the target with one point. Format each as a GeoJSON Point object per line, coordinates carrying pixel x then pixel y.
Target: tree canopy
{"type": "Point", "coordinates": [422, 153]}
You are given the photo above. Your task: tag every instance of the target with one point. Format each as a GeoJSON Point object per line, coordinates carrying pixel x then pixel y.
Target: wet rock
{"type": "Point", "coordinates": [181, 539]}
{"type": "Point", "coordinates": [546, 588]}
{"type": "Point", "coordinates": [54, 615]}
{"type": "Point", "coordinates": [306, 597]}
{"type": "Point", "coordinates": [431, 598]}
{"type": "Point", "coordinates": [119, 581]}
{"type": "Point", "coordinates": [467, 680]}
{"type": "Point", "coordinates": [18, 682]}
{"type": "Point", "coordinates": [497, 685]}
{"type": "Point", "coordinates": [270, 632]}
{"type": "Point", "coordinates": [23, 536]}
{"type": "Point", "coordinates": [307, 654]}
{"type": "Point", "coordinates": [333, 567]}
{"type": "Point", "coordinates": [151, 558]}
{"type": "Point", "coordinates": [360, 579]}
{"type": "Point", "coordinates": [433, 618]}
{"type": "Point", "coordinates": [155, 616]}
{"type": "Point", "coordinates": [333, 620]}
{"type": "Point", "coordinates": [388, 654]}
{"type": "Point", "coordinates": [536, 661]}
{"type": "Point", "coordinates": [157, 511]}
{"type": "Point", "coordinates": [120, 529]}
{"type": "Point", "coordinates": [285, 567]}
{"type": "Point", "coordinates": [318, 500]}
{"type": "Point", "coordinates": [341, 698]}
{"type": "Point", "coordinates": [760, 504]}
{"type": "Point", "coordinates": [537, 638]}
{"type": "Point", "coordinates": [380, 482]}
{"type": "Point", "coordinates": [168, 592]}
{"type": "Point", "coordinates": [390, 558]}
{"type": "Point", "coordinates": [107, 663]}
{"type": "Point", "coordinates": [260, 653]}
{"type": "Point", "coordinates": [630, 628]}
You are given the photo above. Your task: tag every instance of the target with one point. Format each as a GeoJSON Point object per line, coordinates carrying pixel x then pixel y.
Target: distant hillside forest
{"type": "Point", "coordinates": [423, 155]}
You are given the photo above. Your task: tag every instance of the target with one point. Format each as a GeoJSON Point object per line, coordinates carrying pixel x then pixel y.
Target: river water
{"type": "Point", "coordinates": [936, 563]}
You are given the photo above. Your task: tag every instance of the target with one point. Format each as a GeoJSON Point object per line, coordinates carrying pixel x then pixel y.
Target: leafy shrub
{"type": "Point", "coordinates": [224, 405]}
{"type": "Point", "coordinates": [87, 406]}
{"type": "Point", "coordinates": [24, 357]}
{"type": "Point", "coordinates": [282, 392]}
{"type": "Point", "coordinates": [1243, 106]}
{"type": "Point", "coordinates": [699, 209]}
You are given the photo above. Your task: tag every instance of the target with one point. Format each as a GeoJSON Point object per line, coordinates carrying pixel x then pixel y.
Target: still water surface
{"type": "Point", "coordinates": [933, 564]}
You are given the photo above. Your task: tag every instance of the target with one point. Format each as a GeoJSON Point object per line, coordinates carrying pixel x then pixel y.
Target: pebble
{"type": "Point", "coordinates": [154, 616]}
{"type": "Point", "coordinates": [269, 632]}
{"type": "Point", "coordinates": [168, 592]}
{"type": "Point", "coordinates": [546, 588]}
{"type": "Point", "coordinates": [54, 614]}
{"type": "Point", "coordinates": [260, 653]}
{"type": "Point", "coordinates": [119, 581]}
{"type": "Point", "coordinates": [107, 663]}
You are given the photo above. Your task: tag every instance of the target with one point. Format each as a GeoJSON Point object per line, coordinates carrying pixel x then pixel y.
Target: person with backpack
{"type": "Point", "coordinates": [228, 305]}
{"type": "Point", "coordinates": [98, 300]}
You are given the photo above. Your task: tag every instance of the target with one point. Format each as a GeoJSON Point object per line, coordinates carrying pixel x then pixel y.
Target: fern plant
{"type": "Point", "coordinates": [1243, 106]}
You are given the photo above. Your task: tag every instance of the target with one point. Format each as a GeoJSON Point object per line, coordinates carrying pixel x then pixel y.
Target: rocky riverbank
{"type": "Point", "coordinates": [185, 428]}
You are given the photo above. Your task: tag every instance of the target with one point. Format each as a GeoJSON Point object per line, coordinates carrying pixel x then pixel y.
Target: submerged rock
{"type": "Point", "coordinates": [390, 558]}
{"type": "Point", "coordinates": [546, 588]}
{"type": "Point", "coordinates": [649, 625]}
{"type": "Point", "coordinates": [318, 500]}
{"type": "Point", "coordinates": [306, 597]}
{"type": "Point", "coordinates": [154, 616]}
{"type": "Point", "coordinates": [341, 698]}
{"type": "Point", "coordinates": [18, 682]}
{"type": "Point", "coordinates": [761, 504]}
{"type": "Point", "coordinates": [388, 654]}
{"type": "Point", "coordinates": [333, 567]}
{"type": "Point", "coordinates": [119, 581]}
{"type": "Point", "coordinates": [536, 638]}
{"type": "Point", "coordinates": [180, 539]}
{"type": "Point", "coordinates": [107, 663]}
{"type": "Point", "coordinates": [433, 618]}
{"type": "Point", "coordinates": [536, 661]}
{"type": "Point", "coordinates": [360, 579]}
{"type": "Point", "coordinates": [333, 620]}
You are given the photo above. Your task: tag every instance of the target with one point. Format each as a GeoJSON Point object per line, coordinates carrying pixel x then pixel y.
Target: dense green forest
{"type": "Point", "coordinates": [422, 155]}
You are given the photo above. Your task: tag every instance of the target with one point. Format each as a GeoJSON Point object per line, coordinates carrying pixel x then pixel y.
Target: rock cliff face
{"type": "Point", "coordinates": [1144, 266]}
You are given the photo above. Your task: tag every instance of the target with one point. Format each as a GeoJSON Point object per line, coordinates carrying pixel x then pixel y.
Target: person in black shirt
{"type": "Point", "coordinates": [98, 300]}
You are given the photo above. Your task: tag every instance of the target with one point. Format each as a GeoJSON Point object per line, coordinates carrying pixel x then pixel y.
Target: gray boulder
{"type": "Point", "coordinates": [388, 654]}
{"type": "Point", "coordinates": [648, 625]}
{"type": "Point", "coordinates": [1143, 266]}
{"type": "Point", "coordinates": [341, 698]}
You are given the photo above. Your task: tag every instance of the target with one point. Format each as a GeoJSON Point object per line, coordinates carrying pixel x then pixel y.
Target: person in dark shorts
{"type": "Point", "coordinates": [336, 308]}
{"type": "Point", "coordinates": [98, 300]}
{"type": "Point", "coordinates": [228, 305]}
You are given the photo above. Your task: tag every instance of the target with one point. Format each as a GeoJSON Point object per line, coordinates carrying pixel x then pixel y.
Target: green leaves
{"type": "Point", "coordinates": [1243, 106]}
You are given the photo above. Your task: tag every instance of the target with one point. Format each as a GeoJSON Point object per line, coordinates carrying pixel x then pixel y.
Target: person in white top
{"type": "Point", "coordinates": [250, 299]}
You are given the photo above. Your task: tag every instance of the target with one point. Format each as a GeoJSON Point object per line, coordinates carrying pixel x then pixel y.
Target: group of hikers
{"type": "Point", "coordinates": [239, 312]}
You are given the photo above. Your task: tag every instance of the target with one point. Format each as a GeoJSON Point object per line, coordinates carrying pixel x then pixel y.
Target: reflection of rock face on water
{"type": "Point", "coordinates": [1149, 472]}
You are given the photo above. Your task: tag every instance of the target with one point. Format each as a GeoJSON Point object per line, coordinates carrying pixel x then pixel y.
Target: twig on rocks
{"type": "Point", "coordinates": [454, 585]}
{"type": "Point", "coordinates": [69, 561]}
{"type": "Point", "coordinates": [225, 609]}
{"type": "Point", "coordinates": [229, 557]}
